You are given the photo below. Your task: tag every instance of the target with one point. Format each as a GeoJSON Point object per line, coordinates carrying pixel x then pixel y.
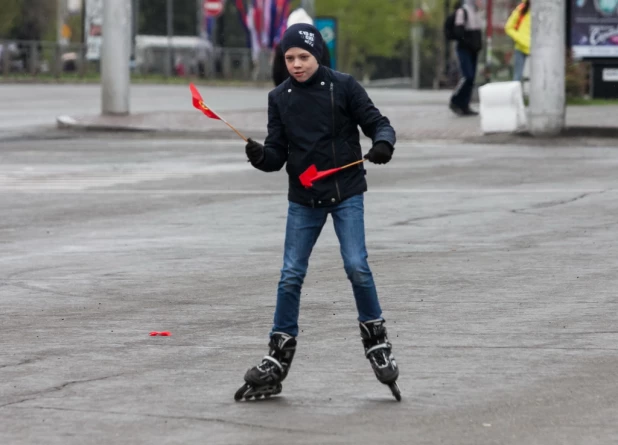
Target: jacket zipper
{"type": "Point", "coordinates": [332, 103]}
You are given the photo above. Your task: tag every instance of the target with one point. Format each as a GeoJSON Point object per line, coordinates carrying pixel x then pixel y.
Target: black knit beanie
{"type": "Point", "coordinates": [305, 36]}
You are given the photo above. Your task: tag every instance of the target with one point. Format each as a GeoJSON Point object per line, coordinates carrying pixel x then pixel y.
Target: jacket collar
{"type": "Point", "coordinates": [319, 75]}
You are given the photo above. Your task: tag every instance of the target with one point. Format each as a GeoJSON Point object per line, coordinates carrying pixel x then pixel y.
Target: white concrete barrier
{"type": "Point", "coordinates": [502, 107]}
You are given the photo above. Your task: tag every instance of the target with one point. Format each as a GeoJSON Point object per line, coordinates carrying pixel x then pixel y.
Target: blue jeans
{"type": "Point", "coordinates": [304, 225]}
{"type": "Point", "coordinates": [519, 65]}
{"type": "Point", "coordinates": [467, 65]}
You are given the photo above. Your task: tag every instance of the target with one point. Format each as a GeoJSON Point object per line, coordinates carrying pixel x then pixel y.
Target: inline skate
{"type": "Point", "coordinates": [378, 351]}
{"type": "Point", "coordinates": [264, 380]}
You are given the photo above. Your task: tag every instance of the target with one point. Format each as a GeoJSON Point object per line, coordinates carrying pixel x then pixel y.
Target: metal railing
{"type": "Point", "coordinates": [45, 59]}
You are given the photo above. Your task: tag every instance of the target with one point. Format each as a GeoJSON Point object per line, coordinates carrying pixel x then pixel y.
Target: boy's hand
{"type": "Point", "coordinates": [380, 153]}
{"type": "Point", "coordinates": [255, 151]}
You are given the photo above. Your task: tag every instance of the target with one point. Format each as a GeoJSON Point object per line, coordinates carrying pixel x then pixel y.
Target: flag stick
{"type": "Point", "coordinates": [232, 127]}
{"type": "Point", "coordinates": [353, 163]}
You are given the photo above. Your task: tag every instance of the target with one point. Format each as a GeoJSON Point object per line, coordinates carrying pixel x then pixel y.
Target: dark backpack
{"type": "Point", "coordinates": [449, 24]}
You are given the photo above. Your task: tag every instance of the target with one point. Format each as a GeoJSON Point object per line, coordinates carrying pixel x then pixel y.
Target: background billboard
{"type": "Point", "coordinates": [594, 28]}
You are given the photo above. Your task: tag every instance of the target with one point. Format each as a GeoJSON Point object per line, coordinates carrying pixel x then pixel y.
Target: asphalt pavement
{"type": "Point", "coordinates": [495, 266]}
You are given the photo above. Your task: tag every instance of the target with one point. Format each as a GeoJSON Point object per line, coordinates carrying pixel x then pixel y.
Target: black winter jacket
{"type": "Point", "coordinates": [468, 39]}
{"type": "Point", "coordinates": [280, 71]}
{"type": "Point", "coordinates": [316, 122]}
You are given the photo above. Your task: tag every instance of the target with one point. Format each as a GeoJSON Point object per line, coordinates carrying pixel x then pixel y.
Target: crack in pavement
{"type": "Point", "coordinates": [37, 394]}
{"type": "Point", "coordinates": [41, 290]}
{"type": "Point", "coordinates": [542, 205]}
{"type": "Point", "coordinates": [438, 216]}
{"type": "Point", "coordinates": [23, 362]}
{"type": "Point", "coordinates": [196, 418]}
{"type": "Point", "coordinates": [549, 204]}
{"type": "Point", "coordinates": [27, 271]}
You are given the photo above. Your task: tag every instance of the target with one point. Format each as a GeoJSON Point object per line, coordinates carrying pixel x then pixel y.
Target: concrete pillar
{"type": "Point", "coordinates": [547, 68]}
{"type": "Point", "coordinates": [115, 55]}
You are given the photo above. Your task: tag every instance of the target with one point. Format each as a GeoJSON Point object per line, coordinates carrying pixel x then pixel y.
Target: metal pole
{"type": "Point", "coordinates": [417, 36]}
{"type": "Point", "coordinates": [200, 18]}
{"type": "Point", "coordinates": [134, 27]}
{"type": "Point", "coordinates": [547, 68]}
{"type": "Point", "coordinates": [115, 54]}
{"type": "Point", "coordinates": [447, 44]}
{"type": "Point", "coordinates": [489, 33]}
{"type": "Point", "coordinates": [412, 55]}
{"type": "Point", "coordinates": [60, 12]}
{"type": "Point", "coordinates": [170, 32]}
{"type": "Point", "coordinates": [59, 21]}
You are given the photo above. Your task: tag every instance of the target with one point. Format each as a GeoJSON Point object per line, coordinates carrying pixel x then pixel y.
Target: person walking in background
{"type": "Point", "coordinates": [280, 71]}
{"type": "Point", "coordinates": [518, 28]}
{"type": "Point", "coordinates": [467, 33]}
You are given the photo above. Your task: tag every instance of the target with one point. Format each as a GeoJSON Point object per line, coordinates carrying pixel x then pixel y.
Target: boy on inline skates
{"type": "Point", "coordinates": [313, 118]}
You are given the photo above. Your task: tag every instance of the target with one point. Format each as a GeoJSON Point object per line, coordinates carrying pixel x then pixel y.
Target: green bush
{"type": "Point", "coordinates": [576, 78]}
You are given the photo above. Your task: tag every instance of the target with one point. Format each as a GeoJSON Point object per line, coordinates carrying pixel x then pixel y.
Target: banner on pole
{"type": "Point", "coordinates": [93, 28]}
{"type": "Point", "coordinates": [328, 28]}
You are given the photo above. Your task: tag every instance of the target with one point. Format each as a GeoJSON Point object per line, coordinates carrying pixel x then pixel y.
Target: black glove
{"type": "Point", "coordinates": [380, 153]}
{"type": "Point", "coordinates": [255, 151]}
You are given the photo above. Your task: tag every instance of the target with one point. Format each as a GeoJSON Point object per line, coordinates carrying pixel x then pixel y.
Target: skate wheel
{"type": "Point", "coordinates": [249, 392]}
{"type": "Point", "coordinates": [395, 390]}
{"type": "Point", "coordinates": [242, 392]}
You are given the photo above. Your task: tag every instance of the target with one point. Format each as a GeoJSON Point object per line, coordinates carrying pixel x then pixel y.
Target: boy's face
{"type": "Point", "coordinates": [300, 64]}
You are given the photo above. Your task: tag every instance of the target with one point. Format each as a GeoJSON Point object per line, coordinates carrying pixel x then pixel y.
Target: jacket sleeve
{"type": "Point", "coordinates": [509, 28]}
{"type": "Point", "coordinates": [519, 36]}
{"type": "Point", "coordinates": [276, 144]}
{"type": "Point", "coordinates": [372, 122]}
{"type": "Point", "coordinates": [279, 68]}
{"type": "Point", "coordinates": [460, 24]}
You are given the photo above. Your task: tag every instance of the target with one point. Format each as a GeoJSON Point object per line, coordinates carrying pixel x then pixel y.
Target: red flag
{"type": "Point", "coordinates": [200, 105]}
{"type": "Point", "coordinates": [309, 176]}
